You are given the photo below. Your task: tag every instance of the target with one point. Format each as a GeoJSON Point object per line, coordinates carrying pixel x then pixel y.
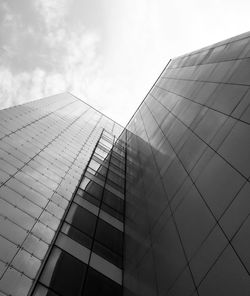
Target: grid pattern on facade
{"type": "Point", "coordinates": [182, 163]}
{"type": "Point", "coordinates": [87, 256]}
{"type": "Point", "coordinates": [44, 148]}
{"type": "Point", "coordinates": [189, 142]}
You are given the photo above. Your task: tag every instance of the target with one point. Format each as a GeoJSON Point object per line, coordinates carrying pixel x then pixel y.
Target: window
{"type": "Point", "coordinates": [77, 235]}
{"type": "Point", "coordinates": [113, 201]}
{"type": "Point", "coordinates": [107, 254]}
{"type": "Point", "coordinates": [98, 284]}
{"type": "Point", "coordinates": [109, 236]}
{"type": "Point", "coordinates": [81, 219]}
{"type": "Point", "coordinates": [64, 273]}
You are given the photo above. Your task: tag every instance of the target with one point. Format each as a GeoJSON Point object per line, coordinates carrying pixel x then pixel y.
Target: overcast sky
{"type": "Point", "coordinates": [106, 52]}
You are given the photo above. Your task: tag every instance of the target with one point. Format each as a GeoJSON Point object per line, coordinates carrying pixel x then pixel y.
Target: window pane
{"type": "Point", "coordinates": [94, 189]}
{"type": "Point", "coordinates": [42, 291]}
{"type": "Point", "coordinates": [109, 236]}
{"type": "Point", "coordinates": [73, 248]}
{"type": "Point", "coordinates": [88, 197]}
{"type": "Point", "coordinates": [113, 201]}
{"type": "Point", "coordinates": [64, 273]}
{"type": "Point", "coordinates": [82, 219]}
{"type": "Point", "coordinates": [107, 254]}
{"type": "Point", "coordinates": [106, 268]}
{"type": "Point", "coordinates": [76, 235]}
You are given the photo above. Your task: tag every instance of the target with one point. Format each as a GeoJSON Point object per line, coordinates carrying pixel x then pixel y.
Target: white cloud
{"type": "Point", "coordinates": [110, 61]}
{"type": "Point", "coordinates": [77, 70]}
{"type": "Point", "coordinates": [72, 54]}
{"type": "Point", "coordinates": [52, 11]}
{"type": "Point", "coordinates": [8, 16]}
{"type": "Point", "coordinates": [55, 37]}
{"type": "Point", "coordinates": [114, 83]}
{"type": "Point", "coordinates": [24, 87]}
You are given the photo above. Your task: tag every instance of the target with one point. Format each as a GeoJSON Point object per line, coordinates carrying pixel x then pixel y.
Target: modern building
{"type": "Point", "coordinates": [160, 207]}
{"type": "Point", "coordinates": [61, 199]}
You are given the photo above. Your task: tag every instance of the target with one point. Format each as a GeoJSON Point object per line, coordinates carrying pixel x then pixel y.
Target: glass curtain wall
{"type": "Point", "coordinates": [44, 148]}
{"type": "Point", "coordinates": [187, 218]}
{"type": "Point", "coordinates": [86, 257]}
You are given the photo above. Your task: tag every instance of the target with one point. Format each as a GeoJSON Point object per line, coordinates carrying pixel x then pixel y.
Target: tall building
{"type": "Point", "coordinates": [160, 207]}
{"type": "Point", "coordinates": [187, 208]}
{"type": "Point", "coordinates": [61, 199]}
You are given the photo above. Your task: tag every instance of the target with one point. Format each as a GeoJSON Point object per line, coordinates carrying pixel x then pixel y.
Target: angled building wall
{"type": "Point", "coordinates": [181, 166]}
{"type": "Point", "coordinates": [86, 254]}
{"type": "Point", "coordinates": [45, 150]}
{"type": "Point", "coordinates": [187, 230]}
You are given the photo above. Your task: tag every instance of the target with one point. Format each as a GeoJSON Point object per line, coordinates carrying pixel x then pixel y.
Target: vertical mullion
{"type": "Point", "coordinates": [97, 219]}
{"type": "Point", "coordinates": [46, 258]}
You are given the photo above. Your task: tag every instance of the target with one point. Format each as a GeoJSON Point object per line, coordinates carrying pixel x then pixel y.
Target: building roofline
{"type": "Point", "coordinates": [147, 93]}
{"type": "Point", "coordinates": [216, 44]}
{"type": "Point", "coordinates": [95, 109]}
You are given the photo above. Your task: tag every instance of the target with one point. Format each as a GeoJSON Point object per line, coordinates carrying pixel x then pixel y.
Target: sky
{"type": "Point", "coordinates": [106, 52]}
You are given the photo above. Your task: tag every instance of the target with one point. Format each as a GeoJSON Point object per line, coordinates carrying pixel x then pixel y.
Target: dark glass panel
{"type": "Point", "coordinates": [209, 124]}
{"type": "Point", "coordinates": [77, 235]}
{"type": "Point", "coordinates": [237, 212]}
{"type": "Point", "coordinates": [116, 168]}
{"type": "Point", "coordinates": [64, 273]}
{"type": "Point", "coordinates": [169, 256]}
{"type": "Point", "coordinates": [191, 210]}
{"type": "Point", "coordinates": [82, 219]}
{"type": "Point", "coordinates": [241, 243]}
{"type": "Point", "coordinates": [42, 291]}
{"type": "Point", "coordinates": [116, 179]}
{"type": "Point", "coordinates": [191, 151]}
{"type": "Point", "coordinates": [207, 254]}
{"type": "Point", "coordinates": [184, 285]}
{"type": "Point", "coordinates": [241, 73]}
{"type": "Point", "coordinates": [243, 108]}
{"type": "Point", "coordinates": [94, 189]}
{"type": "Point", "coordinates": [99, 175]}
{"type": "Point", "coordinates": [226, 97]}
{"type": "Point", "coordinates": [218, 184]}
{"type": "Point", "coordinates": [109, 236]}
{"type": "Point", "coordinates": [102, 170]}
{"type": "Point", "coordinates": [223, 71]}
{"type": "Point", "coordinates": [98, 284]}
{"type": "Point", "coordinates": [236, 148]}
{"type": "Point", "coordinates": [115, 186]}
{"type": "Point", "coordinates": [117, 157]}
{"type": "Point", "coordinates": [107, 254]}
{"type": "Point", "coordinates": [112, 212]}
{"type": "Point", "coordinates": [88, 197]}
{"type": "Point", "coordinates": [172, 183]}
{"type": "Point", "coordinates": [227, 277]}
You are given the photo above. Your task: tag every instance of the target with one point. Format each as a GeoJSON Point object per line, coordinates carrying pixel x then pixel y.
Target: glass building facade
{"type": "Point", "coordinates": [160, 207]}
{"type": "Point", "coordinates": [61, 199]}
{"type": "Point", "coordinates": [188, 201]}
